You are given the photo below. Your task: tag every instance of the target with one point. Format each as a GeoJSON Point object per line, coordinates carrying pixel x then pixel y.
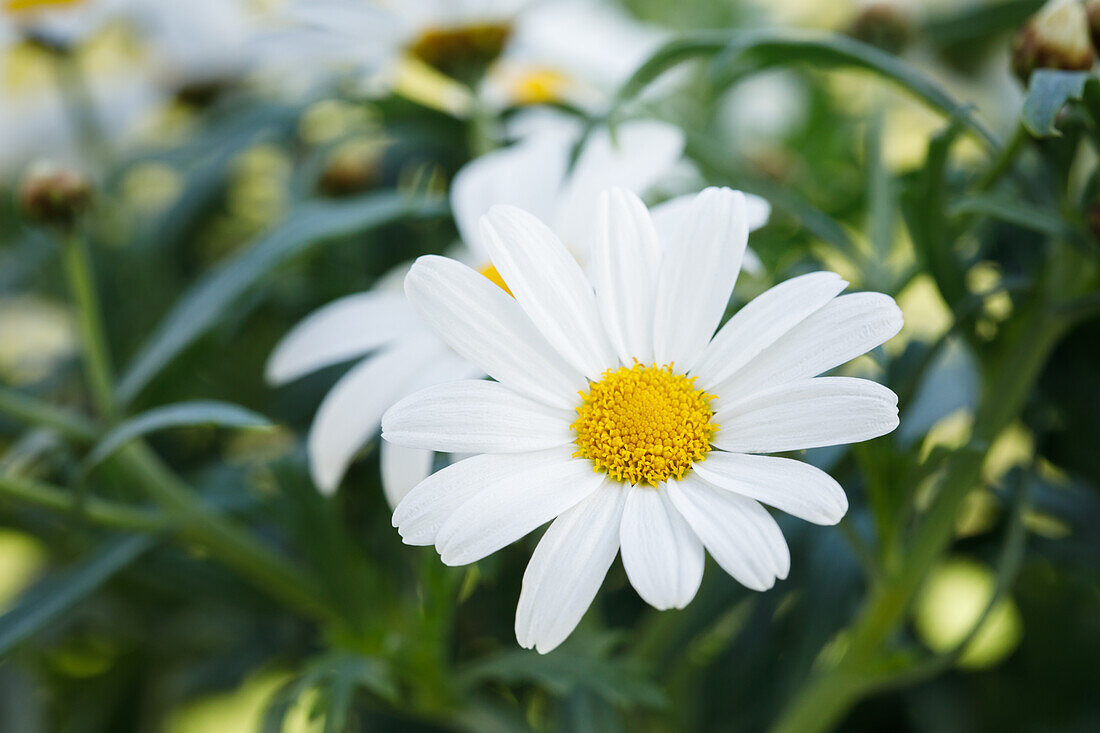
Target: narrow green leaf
{"type": "Point", "coordinates": [180, 414]}
{"type": "Point", "coordinates": [204, 303]}
{"type": "Point", "coordinates": [1047, 92]}
{"type": "Point", "coordinates": [60, 591]}
{"type": "Point", "coordinates": [1016, 212]}
{"type": "Point", "coordinates": [764, 48]}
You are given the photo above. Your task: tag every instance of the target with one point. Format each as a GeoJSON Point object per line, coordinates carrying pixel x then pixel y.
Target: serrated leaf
{"type": "Point", "coordinates": [206, 301]}
{"type": "Point", "coordinates": [1048, 91]}
{"type": "Point", "coordinates": [180, 414]}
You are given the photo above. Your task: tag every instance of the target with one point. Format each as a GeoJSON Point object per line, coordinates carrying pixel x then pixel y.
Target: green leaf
{"type": "Point", "coordinates": [1047, 92]}
{"type": "Point", "coordinates": [180, 414]}
{"type": "Point", "coordinates": [764, 48]}
{"type": "Point", "coordinates": [1016, 212]}
{"type": "Point", "coordinates": [60, 591]}
{"type": "Point", "coordinates": [570, 668]}
{"type": "Point", "coordinates": [206, 301]}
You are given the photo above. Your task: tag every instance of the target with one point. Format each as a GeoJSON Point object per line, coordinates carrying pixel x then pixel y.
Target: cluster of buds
{"type": "Point", "coordinates": [1057, 37]}
{"type": "Point", "coordinates": [54, 194]}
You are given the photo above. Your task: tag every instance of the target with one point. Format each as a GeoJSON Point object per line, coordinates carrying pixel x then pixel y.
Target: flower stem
{"type": "Point", "coordinates": [100, 511]}
{"type": "Point", "coordinates": [35, 412]}
{"type": "Point", "coordinates": [97, 361]}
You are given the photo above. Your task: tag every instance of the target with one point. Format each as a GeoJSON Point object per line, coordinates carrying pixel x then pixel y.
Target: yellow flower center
{"type": "Point", "coordinates": [16, 6]}
{"type": "Point", "coordinates": [644, 424]}
{"type": "Point", "coordinates": [491, 272]}
{"type": "Point", "coordinates": [539, 86]}
{"type": "Point", "coordinates": [461, 51]}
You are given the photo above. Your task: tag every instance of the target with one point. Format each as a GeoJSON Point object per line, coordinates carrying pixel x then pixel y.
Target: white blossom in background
{"type": "Point", "coordinates": [36, 113]}
{"type": "Point", "coordinates": [402, 354]}
{"type": "Point", "coordinates": [521, 52]}
{"type": "Point", "coordinates": [620, 415]}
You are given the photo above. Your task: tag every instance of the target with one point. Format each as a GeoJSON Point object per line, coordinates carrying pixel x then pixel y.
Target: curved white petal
{"type": "Point", "coordinates": [698, 270]}
{"type": "Point", "coordinates": [475, 416]}
{"type": "Point", "coordinates": [351, 412]}
{"type": "Point", "coordinates": [528, 174]}
{"type": "Point", "coordinates": [838, 332]}
{"type": "Point", "coordinates": [624, 268]}
{"type": "Point", "coordinates": [509, 508]}
{"type": "Point", "coordinates": [639, 155]}
{"type": "Point", "coordinates": [738, 533]}
{"type": "Point", "coordinates": [402, 469]}
{"type": "Point", "coordinates": [568, 567]}
{"type": "Point", "coordinates": [809, 413]}
{"type": "Point", "coordinates": [669, 216]}
{"type": "Point", "coordinates": [550, 286]}
{"type": "Point", "coordinates": [419, 516]}
{"type": "Point", "coordinates": [341, 330]}
{"type": "Point", "coordinates": [794, 487]}
{"type": "Point", "coordinates": [662, 555]}
{"type": "Point", "coordinates": [486, 326]}
{"type": "Point", "coordinates": [761, 322]}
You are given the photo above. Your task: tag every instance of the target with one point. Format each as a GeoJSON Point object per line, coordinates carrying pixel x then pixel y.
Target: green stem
{"type": "Point", "coordinates": [35, 412]}
{"type": "Point", "coordinates": [100, 511]}
{"type": "Point", "coordinates": [97, 362]}
{"type": "Point", "coordinates": [830, 693]}
{"type": "Point", "coordinates": [223, 537]}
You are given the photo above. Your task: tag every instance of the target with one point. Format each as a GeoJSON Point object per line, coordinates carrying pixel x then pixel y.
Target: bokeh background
{"type": "Point", "coordinates": [230, 166]}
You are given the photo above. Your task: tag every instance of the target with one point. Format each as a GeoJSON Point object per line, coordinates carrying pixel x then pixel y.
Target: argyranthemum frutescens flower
{"type": "Point", "coordinates": [402, 354]}
{"type": "Point", "coordinates": [619, 413]}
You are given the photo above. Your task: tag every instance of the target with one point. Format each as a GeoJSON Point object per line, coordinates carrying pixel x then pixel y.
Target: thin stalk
{"type": "Point", "coordinates": [97, 360]}
{"type": "Point", "coordinates": [231, 543]}
{"type": "Point", "coordinates": [32, 411]}
{"type": "Point", "coordinates": [100, 511]}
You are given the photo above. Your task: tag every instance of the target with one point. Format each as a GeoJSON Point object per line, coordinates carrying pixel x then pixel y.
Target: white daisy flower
{"type": "Point", "coordinates": [402, 353]}
{"type": "Point", "coordinates": [619, 415]}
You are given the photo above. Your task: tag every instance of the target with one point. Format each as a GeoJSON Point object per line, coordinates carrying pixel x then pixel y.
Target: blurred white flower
{"type": "Point", "coordinates": [655, 457]}
{"type": "Point", "coordinates": [54, 88]}
{"type": "Point", "coordinates": [404, 355]}
{"type": "Point", "coordinates": [514, 52]}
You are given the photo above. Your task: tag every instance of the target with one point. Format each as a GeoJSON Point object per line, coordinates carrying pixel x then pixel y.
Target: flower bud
{"type": "Point", "coordinates": [1057, 37]}
{"type": "Point", "coordinates": [882, 24]}
{"type": "Point", "coordinates": [353, 167]}
{"type": "Point", "coordinates": [1092, 10]}
{"type": "Point", "coordinates": [54, 194]}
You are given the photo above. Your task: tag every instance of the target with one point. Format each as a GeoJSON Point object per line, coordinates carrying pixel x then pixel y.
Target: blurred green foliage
{"type": "Point", "coordinates": [228, 574]}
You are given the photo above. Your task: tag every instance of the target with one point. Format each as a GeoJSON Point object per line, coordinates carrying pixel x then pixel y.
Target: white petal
{"type": "Point", "coordinates": [761, 322]}
{"type": "Point", "coordinates": [351, 412]}
{"type": "Point", "coordinates": [341, 330]}
{"type": "Point", "coordinates": [431, 503]}
{"type": "Point", "coordinates": [528, 174]}
{"type": "Point", "coordinates": [670, 216]}
{"type": "Point", "coordinates": [791, 486]}
{"type": "Point", "coordinates": [475, 416]}
{"type": "Point", "coordinates": [738, 533]}
{"type": "Point", "coordinates": [624, 269]}
{"type": "Point", "coordinates": [509, 508]}
{"type": "Point", "coordinates": [640, 154]}
{"type": "Point", "coordinates": [662, 555]}
{"type": "Point", "coordinates": [698, 269]}
{"type": "Point", "coordinates": [486, 326]}
{"type": "Point", "coordinates": [568, 567]}
{"type": "Point", "coordinates": [838, 332]}
{"type": "Point", "coordinates": [550, 286]}
{"type": "Point", "coordinates": [809, 413]}
{"type": "Point", "coordinates": [402, 469]}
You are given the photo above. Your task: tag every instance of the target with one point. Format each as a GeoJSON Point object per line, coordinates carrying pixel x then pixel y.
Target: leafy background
{"type": "Point", "coordinates": [195, 580]}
